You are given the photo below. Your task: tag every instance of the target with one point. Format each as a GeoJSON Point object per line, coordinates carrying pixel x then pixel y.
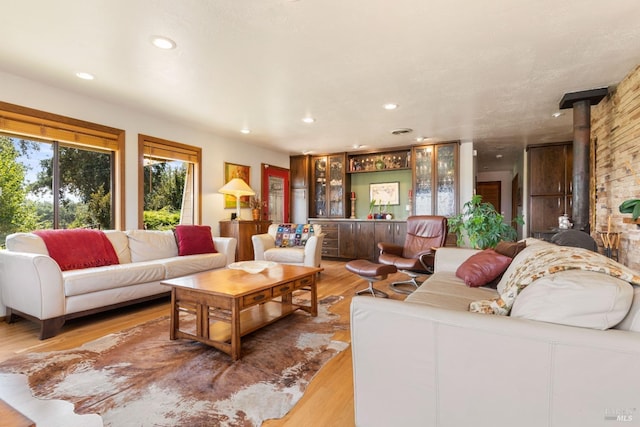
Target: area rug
{"type": "Point", "coordinates": [140, 377]}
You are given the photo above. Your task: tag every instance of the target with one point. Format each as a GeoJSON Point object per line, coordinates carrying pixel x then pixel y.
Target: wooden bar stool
{"type": "Point", "coordinates": [371, 272]}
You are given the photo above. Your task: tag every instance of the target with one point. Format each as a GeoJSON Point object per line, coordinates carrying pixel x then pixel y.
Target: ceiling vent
{"type": "Point", "coordinates": [401, 131]}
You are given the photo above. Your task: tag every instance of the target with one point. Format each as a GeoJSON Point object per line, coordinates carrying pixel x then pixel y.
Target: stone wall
{"type": "Point", "coordinates": [615, 147]}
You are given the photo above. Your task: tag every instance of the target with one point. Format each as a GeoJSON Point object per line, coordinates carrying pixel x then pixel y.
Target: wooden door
{"type": "Point", "coordinates": [491, 193]}
{"type": "Point", "coordinates": [275, 194]}
{"type": "Point", "coordinates": [366, 247]}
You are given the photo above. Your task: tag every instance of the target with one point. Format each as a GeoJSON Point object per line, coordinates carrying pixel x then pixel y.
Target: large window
{"type": "Point", "coordinates": [58, 172]}
{"type": "Point", "coordinates": [169, 175]}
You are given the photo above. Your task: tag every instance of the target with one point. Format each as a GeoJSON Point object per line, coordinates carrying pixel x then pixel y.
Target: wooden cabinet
{"type": "Point", "coordinates": [550, 185]}
{"type": "Point", "coordinates": [435, 179]}
{"type": "Point", "coordinates": [329, 186]}
{"type": "Point", "coordinates": [243, 230]}
{"type": "Point", "coordinates": [358, 239]}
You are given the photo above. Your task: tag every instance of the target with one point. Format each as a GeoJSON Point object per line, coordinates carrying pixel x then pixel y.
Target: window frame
{"type": "Point", "coordinates": [41, 125]}
{"type": "Point", "coordinates": [170, 150]}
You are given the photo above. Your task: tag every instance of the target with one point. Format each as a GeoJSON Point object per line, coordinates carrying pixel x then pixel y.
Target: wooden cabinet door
{"type": "Point", "coordinates": [551, 208]}
{"type": "Point", "coordinates": [548, 170]}
{"type": "Point", "coordinates": [299, 168]}
{"type": "Point", "coordinates": [366, 247]}
{"type": "Point", "coordinates": [347, 240]}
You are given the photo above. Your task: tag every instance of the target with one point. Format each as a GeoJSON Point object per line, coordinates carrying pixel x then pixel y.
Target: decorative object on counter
{"type": "Point", "coordinates": [254, 203]}
{"type": "Point", "coordinates": [564, 223]}
{"type": "Point", "coordinates": [353, 205]}
{"type": "Point", "coordinates": [481, 225]}
{"type": "Point", "coordinates": [372, 204]}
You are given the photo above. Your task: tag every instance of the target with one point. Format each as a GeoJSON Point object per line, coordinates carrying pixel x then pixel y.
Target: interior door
{"type": "Point", "coordinates": [275, 194]}
{"type": "Point", "coordinates": [490, 192]}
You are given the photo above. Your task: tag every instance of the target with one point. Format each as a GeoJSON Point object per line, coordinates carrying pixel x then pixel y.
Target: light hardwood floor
{"type": "Point", "coordinates": [327, 401]}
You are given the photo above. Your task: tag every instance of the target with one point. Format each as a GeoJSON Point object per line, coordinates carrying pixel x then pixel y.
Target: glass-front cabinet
{"type": "Point", "coordinates": [330, 183]}
{"type": "Point", "coordinates": [435, 179]}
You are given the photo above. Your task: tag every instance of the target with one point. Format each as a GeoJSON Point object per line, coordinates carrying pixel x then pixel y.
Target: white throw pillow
{"type": "Point", "coordinates": [632, 321]}
{"type": "Point", "coordinates": [577, 298]}
{"type": "Point", "coordinates": [147, 245]}
{"type": "Point", "coordinates": [522, 257]}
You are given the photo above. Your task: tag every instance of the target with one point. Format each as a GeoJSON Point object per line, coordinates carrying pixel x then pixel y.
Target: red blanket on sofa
{"type": "Point", "coordinates": [78, 248]}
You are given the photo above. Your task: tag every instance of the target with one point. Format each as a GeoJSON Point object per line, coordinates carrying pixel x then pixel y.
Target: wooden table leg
{"type": "Point", "coordinates": [174, 315]}
{"type": "Point", "coordinates": [314, 298]}
{"type": "Point", "coordinates": [235, 330]}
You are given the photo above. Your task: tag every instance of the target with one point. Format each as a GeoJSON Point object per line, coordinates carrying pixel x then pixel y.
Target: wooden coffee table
{"type": "Point", "coordinates": [229, 304]}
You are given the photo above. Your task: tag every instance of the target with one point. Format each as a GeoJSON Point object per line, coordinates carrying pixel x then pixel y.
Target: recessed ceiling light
{"type": "Point", "coordinates": [498, 156]}
{"type": "Point", "coordinates": [420, 139]}
{"type": "Point", "coordinates": [305, 152]}
{"type": "Point", "coordinates": [245, 131]}
{"type": "Point", "coordinates": [308, 120]}
{"type": "Point", "coordinates": [85, 76]}
{"type": "Point", "coordinates": [557, 114]}
{"type": "Point", "coordinates": [390, 106]}
{"type": "Point", "coordinates": [163, 42]}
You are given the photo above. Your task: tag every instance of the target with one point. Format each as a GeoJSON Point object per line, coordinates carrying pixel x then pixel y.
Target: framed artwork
{"type": "Point", "coordinates": [232, 170]}
{"type": "Point", "coordinates": [385, 193]}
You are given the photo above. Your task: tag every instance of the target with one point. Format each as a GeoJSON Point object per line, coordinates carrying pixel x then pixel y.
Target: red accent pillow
{"type": "Point", "coordinates": [482, 268]}
{"type": "Point", "coordinates": [194, 240]}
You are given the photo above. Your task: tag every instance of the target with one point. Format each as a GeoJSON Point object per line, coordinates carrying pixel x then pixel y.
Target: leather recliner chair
{"type": "Point", "coordinates": [425, 233]}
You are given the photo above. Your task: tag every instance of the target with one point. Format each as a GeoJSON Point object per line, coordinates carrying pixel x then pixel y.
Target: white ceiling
{"type": "Point", "coordinates": [490, 71]}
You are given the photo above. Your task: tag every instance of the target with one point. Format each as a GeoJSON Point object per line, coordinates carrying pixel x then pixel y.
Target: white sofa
{"type": "Point", "coordinates": [310, 254]}
{"type": "Point", "coordinates": [428, 361]}
{"type": "Point", "coordinates": [33, 286]}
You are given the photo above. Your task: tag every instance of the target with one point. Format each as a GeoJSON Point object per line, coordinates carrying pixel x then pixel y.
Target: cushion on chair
{"type": "Point", "coordinates": [291, 235]}
{"type": "Point", "coordinates": [293, 255]}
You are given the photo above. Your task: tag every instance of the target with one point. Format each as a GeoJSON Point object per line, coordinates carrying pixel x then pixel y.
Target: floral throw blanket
{"type": "Point", "coordinates": [547, 260]}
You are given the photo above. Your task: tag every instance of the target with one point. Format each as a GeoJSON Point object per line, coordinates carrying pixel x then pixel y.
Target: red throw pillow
{"type": "Point", "coordinates": [482, 268]}
{"type": "Point", "coordinates": [194, 240]}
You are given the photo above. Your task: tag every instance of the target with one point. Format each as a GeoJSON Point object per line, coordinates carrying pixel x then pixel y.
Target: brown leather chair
{"type": "Point", "coordinates": [415, 257]}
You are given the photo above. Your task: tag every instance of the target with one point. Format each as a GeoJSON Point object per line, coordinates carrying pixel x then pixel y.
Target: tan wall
{"type": "Point", "coordinates": [615, 138]}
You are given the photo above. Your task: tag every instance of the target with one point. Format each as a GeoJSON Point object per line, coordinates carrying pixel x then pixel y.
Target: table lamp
{"type": "Point", "coordinates": [238, 188]}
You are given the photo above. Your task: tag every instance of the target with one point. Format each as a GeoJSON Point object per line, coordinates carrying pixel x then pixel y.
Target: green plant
{"type": "Point", "coordinates": [631, 206]}
{"type": "Point", "coordinates": [481, 225]}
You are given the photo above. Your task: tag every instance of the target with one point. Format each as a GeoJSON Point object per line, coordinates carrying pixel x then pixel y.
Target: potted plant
{"type": "Point", "coordinates": [372, 204]}
{"type": "Point", "coordinates": [631, 206]}
{"type": "Point", "coordinates": [255, 205]}
{"type": "Point", "coordinates": [481, 225]}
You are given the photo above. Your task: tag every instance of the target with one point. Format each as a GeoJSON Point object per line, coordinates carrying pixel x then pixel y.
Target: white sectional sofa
{"type": "Point", "coordinates": [33, 286]}
{"type": "Point", "coordinates": [428, 361]}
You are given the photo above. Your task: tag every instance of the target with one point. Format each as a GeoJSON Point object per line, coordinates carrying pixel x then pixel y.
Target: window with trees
{"type": "Point", "coordinates": [58, 172]}
{"type": "Point", "coordinates": [170, 179]}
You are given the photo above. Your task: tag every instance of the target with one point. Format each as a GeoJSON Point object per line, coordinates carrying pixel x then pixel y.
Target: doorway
{"type": "Point", "coordinates": [275, 194]}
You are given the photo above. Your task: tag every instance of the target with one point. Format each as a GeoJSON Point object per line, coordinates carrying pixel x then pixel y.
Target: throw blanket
{"type": "Point", "coordinates": [78, 248]}
{"type": "Point", "coordinates": [547, 260]}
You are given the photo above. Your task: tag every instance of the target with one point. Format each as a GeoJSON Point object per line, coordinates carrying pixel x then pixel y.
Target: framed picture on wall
{"type": "Point", "coordinates": [385, 193]}
{"type": "Point", "coordinates": [232, 170]}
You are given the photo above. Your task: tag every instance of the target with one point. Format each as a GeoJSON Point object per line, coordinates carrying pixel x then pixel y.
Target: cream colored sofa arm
{"type": "Point", "coordinates": [313, 251]}
{"type": "Point", "coordinates": [31, 283]}
{"type": "Point", "coordinates": [262, 242]}
{"type": "Point", "coordinates": [227, 246]}
{"type": "Point", "coordinates": [450, 258]}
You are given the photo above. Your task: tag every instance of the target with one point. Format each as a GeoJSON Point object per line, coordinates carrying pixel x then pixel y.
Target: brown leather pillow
{"type": "Point", "coordinates": [510, 249]}
{"type": "Point", "coordinates": [482, 268]}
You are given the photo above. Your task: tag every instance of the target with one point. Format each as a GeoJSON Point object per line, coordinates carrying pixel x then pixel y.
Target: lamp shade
{"type": "Point", "coordinates": [237, 187]}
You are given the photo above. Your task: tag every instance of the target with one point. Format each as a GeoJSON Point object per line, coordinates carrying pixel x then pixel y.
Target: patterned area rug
{"type": "Point", "coordinates": [139, 377]}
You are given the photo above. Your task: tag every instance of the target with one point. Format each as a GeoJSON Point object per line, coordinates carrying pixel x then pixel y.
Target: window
{"type": "Point", "coordinates": [58, 172]}
{"type": "Point", "coordinates": [170, 180]}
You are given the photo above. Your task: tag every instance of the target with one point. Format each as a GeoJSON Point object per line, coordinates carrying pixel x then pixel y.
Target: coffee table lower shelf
{"type": "Point", "coordinates": [219, 333]}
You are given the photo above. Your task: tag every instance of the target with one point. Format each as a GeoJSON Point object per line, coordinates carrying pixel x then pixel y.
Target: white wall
{"type": "Point", "coordinates": [216, 149]}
